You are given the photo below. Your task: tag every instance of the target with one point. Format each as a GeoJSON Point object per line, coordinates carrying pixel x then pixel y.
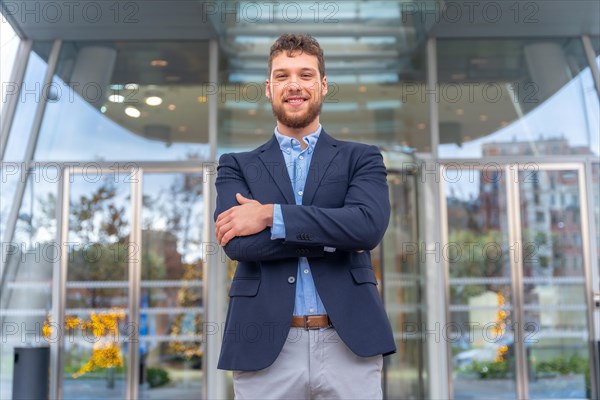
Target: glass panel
{"type": "Point", "coordinates": [172, 305]}
{"type": "Point", "coordinates": [29, 99]}
{"type": "Point", "coordinates": [10, 176]}
{"type": "Point", "coordinates": [26, 297]}
{"type": "Point", "coordinates": [149, 98]}
{"type": "Point", "coordinates": [9, 44]}
{"type": "Point", "coordinates": [403, 288]}
{"type": "Point", "coordinates": [516, 97]}
{"type": "Point", "coordinates": [376, 76]}
{"type": "Point", "coordinates": [97, 322]}
{"type": "Point", "coordinates": [480, 330]}
{"type": "Point", "coordinates": [555, 310]}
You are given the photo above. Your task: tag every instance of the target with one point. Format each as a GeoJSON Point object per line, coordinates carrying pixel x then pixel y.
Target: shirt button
{"type": "Point", "coordinates": [306, 271]}
{"type": "Point", "coordinates": [291, 279]}
{"type": "Point", "coordinates": [301, 157]}
{"type": "Point", "coordinates": [311, 310]}
{"type": "Point", "coordinates": [300, 192]}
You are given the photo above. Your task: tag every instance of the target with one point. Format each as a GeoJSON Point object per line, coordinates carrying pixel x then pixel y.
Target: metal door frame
{"type": "Point", "coordinates": [511, 171]}
{"type": "Point", "coordinates": [407, 173]}
{"type": "Point", "coordinates": [137, 170]}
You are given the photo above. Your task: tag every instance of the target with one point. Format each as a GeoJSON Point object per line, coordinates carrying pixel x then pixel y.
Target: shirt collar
{"type": "Point", "coordinates": [287, 143]}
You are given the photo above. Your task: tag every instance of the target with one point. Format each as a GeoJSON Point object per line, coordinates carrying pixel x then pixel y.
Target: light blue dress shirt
{"type": "Point", "coordinates": [297, 161]}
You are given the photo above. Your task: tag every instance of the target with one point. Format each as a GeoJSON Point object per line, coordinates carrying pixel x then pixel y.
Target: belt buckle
{"type": "Point", "coordinates": [307, 326]}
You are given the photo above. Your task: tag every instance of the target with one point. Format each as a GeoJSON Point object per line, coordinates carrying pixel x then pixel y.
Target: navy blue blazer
{"type": "Point", "coordinates": [345, 205]}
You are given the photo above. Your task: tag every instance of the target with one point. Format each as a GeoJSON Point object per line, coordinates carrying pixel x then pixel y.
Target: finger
{"type": "Point", "coordinates": [223, 220]}
{"type": "Point", "coordinates": [227, 237]}
{"type": "Point", "coordinates": [241, 199]}
{"type": "Point", "coordinates": [223, 231]}
{"type": "Point", "coordinates": [224, 214]}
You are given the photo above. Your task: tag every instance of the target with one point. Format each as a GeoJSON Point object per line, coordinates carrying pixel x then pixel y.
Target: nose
{"type": "Point", "coordinates": [293, 87]}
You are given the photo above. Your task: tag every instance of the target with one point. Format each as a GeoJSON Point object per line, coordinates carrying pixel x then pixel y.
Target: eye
{"type": "Point", "coordinates": [280, 76]}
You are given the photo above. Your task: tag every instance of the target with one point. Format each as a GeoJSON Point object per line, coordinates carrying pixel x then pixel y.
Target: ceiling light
{"type": "Point", "coordinates": [154, 101]}
{"type": "Point", "coordinates": [159, 63]}
{"type": "Point", "coordinates": [116, 98]}
{"type": "Point", "coordinates": [133, 112]}
{"type": "Point", "coordinates": [171, 107]}
{"type": "Point", "coordinates": [103, 109]}
{"type": "Point", "coordinates": [201, 99]}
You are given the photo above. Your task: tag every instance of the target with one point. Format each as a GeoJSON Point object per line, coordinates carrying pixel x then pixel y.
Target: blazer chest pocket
{"type": "Point", "coordinates": [244, 287]}
{"type": "Point", "coordinates": [363, 275]}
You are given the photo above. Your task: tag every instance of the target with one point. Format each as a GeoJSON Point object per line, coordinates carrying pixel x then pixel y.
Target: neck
{"type": "Point", "coordinates": [298, 133]}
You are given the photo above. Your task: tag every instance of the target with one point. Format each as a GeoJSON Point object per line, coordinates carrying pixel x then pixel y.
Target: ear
{"type": "Point", "coordinates": [324, 87]}
{"type": "Point", "coordinates": [268, 89]}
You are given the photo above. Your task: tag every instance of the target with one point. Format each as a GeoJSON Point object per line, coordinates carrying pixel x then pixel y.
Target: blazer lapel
{"type": "Point", "coordinates": [272, 158]}
{"type": "Point", "coordinates": [325, 152]}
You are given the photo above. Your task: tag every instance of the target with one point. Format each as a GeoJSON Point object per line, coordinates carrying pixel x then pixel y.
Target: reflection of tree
{"type": "Point", "coordinates": [480, 256]}
{"type": "Point", "coordinates": [172, 228]}
{"type": "Point", "coordinates": [100, 225]}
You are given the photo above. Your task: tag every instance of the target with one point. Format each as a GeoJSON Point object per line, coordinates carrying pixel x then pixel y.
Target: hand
{"type": "Point", "coordinates": [248, 218]}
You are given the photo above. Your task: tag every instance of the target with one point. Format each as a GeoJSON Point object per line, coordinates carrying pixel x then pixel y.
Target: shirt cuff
{"type": "Point", "coordinates": [278, 228]}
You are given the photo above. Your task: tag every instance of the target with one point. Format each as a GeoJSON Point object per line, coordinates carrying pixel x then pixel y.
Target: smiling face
{"type": "Point", "coordinates": [296, 92]}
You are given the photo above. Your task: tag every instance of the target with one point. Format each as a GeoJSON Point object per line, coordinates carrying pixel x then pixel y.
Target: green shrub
{"type": "Point", "coordinates": [157, 377]}
{"type": "Point", "coordinates": [488, 370]}
{"type": "Point", "coordinates": [563, 366]}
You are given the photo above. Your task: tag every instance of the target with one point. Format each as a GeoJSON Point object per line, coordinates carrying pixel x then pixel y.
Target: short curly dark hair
{"type": "Point", "coordinates": [292, 42]}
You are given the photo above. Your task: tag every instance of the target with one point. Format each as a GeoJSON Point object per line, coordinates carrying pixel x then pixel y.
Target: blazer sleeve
{"type": "Point", "coordinates": [257, 247]}
{"type": "Point", "coordinates": [362, 221]}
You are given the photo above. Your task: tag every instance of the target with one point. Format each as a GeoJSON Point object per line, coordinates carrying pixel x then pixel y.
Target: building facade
{"type": "Point", "coordinates": [114, 115]}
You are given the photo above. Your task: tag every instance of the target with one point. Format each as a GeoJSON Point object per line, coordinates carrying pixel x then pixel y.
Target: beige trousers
{"type": "Point", "coordinates": [313, 364]}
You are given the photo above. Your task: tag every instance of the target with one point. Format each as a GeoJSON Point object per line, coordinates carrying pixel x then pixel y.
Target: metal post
{"type": "Point", "coordinates": [135, 277]}
{"type": "Point", "coordinates": [432, 84]}
{"type": "Point", "coordinates": [584, 195]}
{"type": "Point", "coordinates": [215, 268]}
{"type": "Point", "coordinates": [591, 59]}
{"type": "Point", "coordinates": [59, 281]}
{"type": "Point", "coordinates": [438, 290]}
{"type": "Point", "coordinates": [516, 265]}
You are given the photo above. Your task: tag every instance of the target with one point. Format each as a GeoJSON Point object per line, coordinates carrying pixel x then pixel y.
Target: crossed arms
{"type": "Point", "coordinates": [243, 224]}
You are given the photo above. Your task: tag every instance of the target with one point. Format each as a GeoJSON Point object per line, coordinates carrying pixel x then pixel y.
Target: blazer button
{"type": "Point", "coordinates": [291, 279]}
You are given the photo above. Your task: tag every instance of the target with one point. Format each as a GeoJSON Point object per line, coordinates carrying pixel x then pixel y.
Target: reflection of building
{"type": "Point", "coordinates": [550, 206]}
{"type": "Point", "coordinates": [155, 91]}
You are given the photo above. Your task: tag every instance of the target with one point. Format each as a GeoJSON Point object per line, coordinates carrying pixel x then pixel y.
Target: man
{"type": "Point", "coordinates": [300, 214]}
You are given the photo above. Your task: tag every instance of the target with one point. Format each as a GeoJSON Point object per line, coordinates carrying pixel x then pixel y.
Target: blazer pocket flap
{"type": "Point", "coordinates": [244, 287]}
{"type": "Point", "coordinates": [363, 275]}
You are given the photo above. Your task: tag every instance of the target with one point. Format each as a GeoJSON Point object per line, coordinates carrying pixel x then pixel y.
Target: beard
{"type": "Point", "coordinates": [297, 120]}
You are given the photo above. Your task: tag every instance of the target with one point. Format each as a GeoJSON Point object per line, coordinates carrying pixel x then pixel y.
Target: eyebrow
{"type": "Point", "coordinates": [302, 69]}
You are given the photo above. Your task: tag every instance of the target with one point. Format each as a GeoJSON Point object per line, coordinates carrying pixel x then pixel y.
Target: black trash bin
{"type": "Point", "coordinates": [31, 373]}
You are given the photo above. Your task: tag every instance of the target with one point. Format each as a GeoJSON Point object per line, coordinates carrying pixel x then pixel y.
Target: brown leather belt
{"type": "Point", "coordinates": [311, 321]}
